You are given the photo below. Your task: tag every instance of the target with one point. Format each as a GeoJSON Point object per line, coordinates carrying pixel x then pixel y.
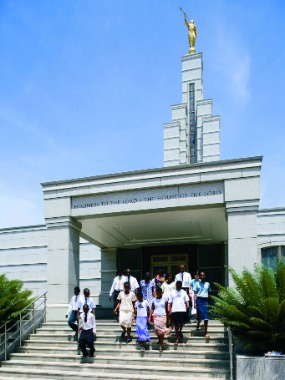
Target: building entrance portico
{"type": "Point", "coordinates": [135, 210]}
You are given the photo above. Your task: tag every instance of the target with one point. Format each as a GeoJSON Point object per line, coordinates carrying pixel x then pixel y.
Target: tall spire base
{"type": "Point", "coordinates": [192, 50]}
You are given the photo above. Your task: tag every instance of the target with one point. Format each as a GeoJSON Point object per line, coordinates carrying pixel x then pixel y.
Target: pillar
{"type": "Point", "coordinates": [242, 241]}
{"type": "Point", "coordinates": [108, 272]}
{"type": "Point", "coordinates": [242, 202]}
{"type": "Point", "coordinates": [63, 264]}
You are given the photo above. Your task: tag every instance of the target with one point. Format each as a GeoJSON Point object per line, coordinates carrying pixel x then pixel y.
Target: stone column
{"type": "Point", "coordinates": [242, 241]}
{"type": "Point", "coordinates": [63, 264]}
{"type": "Point", "coordinates": [108, 272]}
{"type": "Point", "coordinates": [242, 202]}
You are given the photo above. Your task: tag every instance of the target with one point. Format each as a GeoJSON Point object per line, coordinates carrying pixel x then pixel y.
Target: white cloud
{"type": "Point", "coordinates": [240, 76]}
{"type": "Point", "coordinates": [232, 60]}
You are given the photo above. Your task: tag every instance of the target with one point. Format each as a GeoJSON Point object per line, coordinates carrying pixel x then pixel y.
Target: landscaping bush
{"type": "Point", "coordinates": [13, 298]}
{"type": "Point", "coordinates": [254, 308]}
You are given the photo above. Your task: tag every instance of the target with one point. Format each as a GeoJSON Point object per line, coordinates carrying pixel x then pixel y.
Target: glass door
{"type": "Point", "coordinates": [169, 263]}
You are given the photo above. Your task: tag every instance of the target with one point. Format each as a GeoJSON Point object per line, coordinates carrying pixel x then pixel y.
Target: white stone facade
{"type": "Point", "coordinates": [270, 229]}
{"type": "Point", "coordinates": [23, 253]}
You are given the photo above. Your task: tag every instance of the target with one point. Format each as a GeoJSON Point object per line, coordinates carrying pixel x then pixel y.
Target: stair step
{"type": "Point", "coordinates": [202, 345]}
{"type": "Point", "coordinates": [52, 353]}
{"type": "Point", "coordinates": [114, 368]}
{"type": "Point", "coordinates": [143, 360]}
{"type": "Point", "coordinates": [223, 355]}
{"type": "Point", "coordinates": [117, 338]}
{"type": "Point", "coordinates": [115, 333]}
{"type": "Point", "coordinates": [9, 373]}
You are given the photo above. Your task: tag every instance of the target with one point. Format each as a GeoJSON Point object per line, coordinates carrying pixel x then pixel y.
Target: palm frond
{"type": "Point", "coordinates": [271, 310]}
{"type": "Point", "coordinates": [254, 312]}
{"type": "Point", "coordinates": [267, 282]}
{"type": "Point", "coordinates": [280, 280]}
{"type": "Point", "coordinates": [280, 320]}
{"type": "Point", "coordinates": [261, 325]}
{"type": "Point", "coordinates": [255, 308]}
{"type": "Point", "coordinates": [247, 287]}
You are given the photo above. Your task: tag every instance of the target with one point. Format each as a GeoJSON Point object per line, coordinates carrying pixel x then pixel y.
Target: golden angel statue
{"type": "Point", "coordinates": [192, 33]}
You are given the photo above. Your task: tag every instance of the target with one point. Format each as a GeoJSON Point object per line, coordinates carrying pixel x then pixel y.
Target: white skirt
{"type": "Point", "coordinates": [126, 318]}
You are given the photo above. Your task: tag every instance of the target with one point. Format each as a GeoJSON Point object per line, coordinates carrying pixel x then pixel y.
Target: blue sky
{"type": "Point", "coordinates": [85, 86]}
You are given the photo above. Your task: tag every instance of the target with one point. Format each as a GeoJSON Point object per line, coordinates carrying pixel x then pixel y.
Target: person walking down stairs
{"type": "Point", "coordinates": [178, 307]}
{"type": "Point", "coordinates": [126, 309]}
{"type": "Point", "coordinates": [116, 288]}
{"type": "Point", "coordinates": [141, 311]}
{"type": "Point", "coordinates": [88, 331]}
{"type": "Point", "coordinates": [159, 312]}
{"type": "Point", "coordinates": [72, 312]}
{"type": "Point", "coordinates": [201, 293]}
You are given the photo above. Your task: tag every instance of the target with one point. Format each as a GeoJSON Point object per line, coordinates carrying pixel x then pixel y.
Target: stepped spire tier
{"type": "Point", "coordinates": [193, 135]}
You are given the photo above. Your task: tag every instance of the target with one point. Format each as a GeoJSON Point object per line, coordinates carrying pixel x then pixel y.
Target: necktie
{"type": "Point", "coordinates": [182, 277]}
{"type": "Point", "coordinates": [85, 300]}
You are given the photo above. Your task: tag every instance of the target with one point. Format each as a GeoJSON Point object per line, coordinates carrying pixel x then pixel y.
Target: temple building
{"type": "Point", "coordinates": [197, 210]}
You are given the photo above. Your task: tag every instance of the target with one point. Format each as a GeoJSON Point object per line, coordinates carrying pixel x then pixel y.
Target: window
{"type": "Point", "coordinates": [271, 255]}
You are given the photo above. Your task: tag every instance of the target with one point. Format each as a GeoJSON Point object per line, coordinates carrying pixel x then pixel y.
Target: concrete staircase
{"type": "Point", "coordinates": [52, 353]}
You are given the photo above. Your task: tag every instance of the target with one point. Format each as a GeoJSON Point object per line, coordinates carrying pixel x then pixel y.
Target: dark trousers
{"type": "Point", "coordinates": [86, 339]}
{"type": "Point", "coordinates": [188, 313]}
{"type": "Point", "coordinates": [73, 318]}
{"type": "Point", "coordinates": [115, 298]}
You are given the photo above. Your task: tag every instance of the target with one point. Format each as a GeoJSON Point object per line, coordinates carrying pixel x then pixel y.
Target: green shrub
{"type": "Point", "coordinates": [12, 298]}
{"type": "Point", "coordinates": [254, 308]}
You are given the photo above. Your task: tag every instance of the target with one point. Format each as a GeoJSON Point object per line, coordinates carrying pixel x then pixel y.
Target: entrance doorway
{"type": "Point", "coordinates": [209, 258]}
{"type": "Point", "coordinates": [169, 263]}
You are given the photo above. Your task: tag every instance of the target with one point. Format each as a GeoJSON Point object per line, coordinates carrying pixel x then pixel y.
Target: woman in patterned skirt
{"type": "Point", "coordinates": [159, 314]}
{"type": "Point", "coordinates": [141, 312]}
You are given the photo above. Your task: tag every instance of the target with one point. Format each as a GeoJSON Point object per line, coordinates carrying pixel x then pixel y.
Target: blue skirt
{"type": "Point", "coordinates": [141, 328]}
{"type": "Point", "coordinates": [202, 309]}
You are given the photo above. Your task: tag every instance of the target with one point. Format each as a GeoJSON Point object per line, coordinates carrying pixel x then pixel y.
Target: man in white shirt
{"type": "Point", "coordinates": [117, 287]}
{"type": "Point", "coordinates": [185, 278]}
{"type": "Point", "coordinates": [134, 285]}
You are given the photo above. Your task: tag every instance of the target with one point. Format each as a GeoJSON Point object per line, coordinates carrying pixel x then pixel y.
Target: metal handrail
{"type": "Point", "coordinates": [231, 351]}
{"type": "Point", "coordinates": [17, 329]}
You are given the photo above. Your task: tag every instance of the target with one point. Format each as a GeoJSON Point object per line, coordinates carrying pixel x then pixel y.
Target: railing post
{"type": "Point", "coordinates": [45, 308]}
{"type": "Point", "coordinates": [20, 334]}
{"type": "Point", "coordinates": [231, 351]}
{"type": "Point", "coordinates": [33, 316]}
{"type": "Point", "coordinates": [32, 310]}
{"type": "Point", "coordinates": [5, 342]}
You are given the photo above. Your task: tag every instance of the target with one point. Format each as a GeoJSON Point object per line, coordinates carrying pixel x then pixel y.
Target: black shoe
{"type": "Point", "coordinates": [83, 357]}
{"type": "Point", "coordinates": [123, 334]}
{"type": "Point", "coordinates": [128, 340]}
{"type": "Point", "coordinates": [180, 334]}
